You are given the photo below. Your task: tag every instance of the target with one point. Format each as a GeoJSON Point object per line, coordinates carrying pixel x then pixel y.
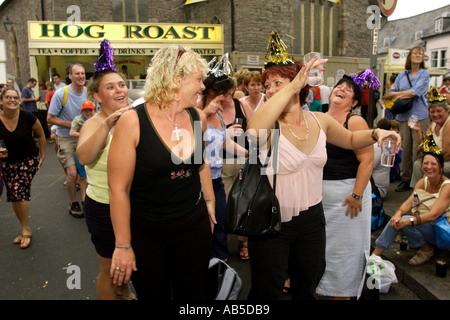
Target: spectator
{"type": "Point", "coordinates": [417, 223]}
{"type": "Point", "coordinates": [419, 77]}
{"type": "Point", "coordinates": [240, 87]}
{"type": "Point", "coordinates": [255, 97]}
{"type": "Point", "coordinates": [88, 110]}
{"type": "Point", "coordinates": [29, 101]}
{"type": "Point", "coordinates": [381, 173]}
{"type": "Point", "coordinates": [325, 97]}
{"type": "Point", "coordinates": [58, 84]}
{"type": "Point", "coordinates": [440, 114]}
{"type": "Point", "coordinates": [63, 117]}
{"type": "Point", "coordinates": [17, 129]}
{"type": "Point", "coordinates": [389, 102]}
{"type": "Point", "coordinates": [316, 104]}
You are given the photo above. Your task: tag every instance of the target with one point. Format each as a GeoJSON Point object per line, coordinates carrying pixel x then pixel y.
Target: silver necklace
{"type": "Point", "coordinates": [176, 130]}
{"type": "Point", "coordinates": [307, 130]}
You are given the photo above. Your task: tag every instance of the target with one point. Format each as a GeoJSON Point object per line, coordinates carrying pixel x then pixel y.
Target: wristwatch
{"type": "Point", "coordinates": [356, 196]}
{"type": "Point", "coordinates": [412, 221]}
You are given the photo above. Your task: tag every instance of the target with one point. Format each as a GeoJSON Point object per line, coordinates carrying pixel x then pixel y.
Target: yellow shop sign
{"type": "Point", "coordinates": [129, 32]}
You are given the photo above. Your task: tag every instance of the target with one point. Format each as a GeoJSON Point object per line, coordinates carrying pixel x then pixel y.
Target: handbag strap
{"type": "Point", "coordinates": [274, 144]}
{"type": "Point", "coordinates": [273, 148]}
{"type": "Point", "coordinates": [407, 77]}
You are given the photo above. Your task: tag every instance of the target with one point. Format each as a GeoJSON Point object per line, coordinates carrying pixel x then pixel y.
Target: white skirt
{"type": "Point", "coordinates": [347, 240]}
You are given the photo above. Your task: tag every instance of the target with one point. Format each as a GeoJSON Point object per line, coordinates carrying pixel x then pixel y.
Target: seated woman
{"type": "Point", "coordinates": [419, 228]}
{"type": "Point", "coordinates": [439, 113]}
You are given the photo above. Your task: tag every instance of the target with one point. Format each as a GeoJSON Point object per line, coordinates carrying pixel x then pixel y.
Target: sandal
{"type": "Point", "coordinates": [17, 239]}
{"type": "Point", "coordinates": [243, 251]}
{"type": "Point", "coordinates": [421, 257]}
{"type": "Point", "coordinates": [24, 245]}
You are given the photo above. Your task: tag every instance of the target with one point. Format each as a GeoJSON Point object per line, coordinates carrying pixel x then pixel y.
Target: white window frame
{"type": "Point", "coordinates": [439, 58]}
{"type": "Point", "coordinates": [439, 25]}
{"type": "Point", "coordinates": [418, 36]}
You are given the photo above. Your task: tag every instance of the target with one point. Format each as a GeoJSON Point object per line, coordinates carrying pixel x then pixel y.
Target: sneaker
{"type": "Point", "coordinates": [75, 210]}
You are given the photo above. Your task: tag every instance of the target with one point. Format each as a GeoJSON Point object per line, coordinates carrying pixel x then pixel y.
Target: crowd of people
{"type": "Point", "coordinates": [155, 178]}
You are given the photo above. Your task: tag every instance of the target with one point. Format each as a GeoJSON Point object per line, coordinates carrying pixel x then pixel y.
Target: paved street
{"type": "Point", "coordinates": [61, 248]}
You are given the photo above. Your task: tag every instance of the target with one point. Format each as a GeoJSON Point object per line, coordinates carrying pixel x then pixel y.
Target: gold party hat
{"type": "Point", "coordinates": [434, 95]}
{"type": "Point", "coordinates": [429, 145]}
{"type": "Point", "coordinates": [277, 54]}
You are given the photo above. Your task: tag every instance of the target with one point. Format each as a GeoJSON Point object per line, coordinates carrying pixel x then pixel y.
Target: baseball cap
{"type": "Point", "coordinates": [88, 104]}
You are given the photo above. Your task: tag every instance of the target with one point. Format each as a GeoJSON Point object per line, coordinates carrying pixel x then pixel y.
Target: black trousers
{"type": "Point", "coordinates": [298, 253]}
{"type": "Point", "coordinates": [172, 258]}
{"type": "Point", "coordinates": [42, 116]}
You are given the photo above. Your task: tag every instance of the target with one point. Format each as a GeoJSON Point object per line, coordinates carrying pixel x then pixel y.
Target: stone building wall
{"type": "Point", "coordinates": [253, 21]}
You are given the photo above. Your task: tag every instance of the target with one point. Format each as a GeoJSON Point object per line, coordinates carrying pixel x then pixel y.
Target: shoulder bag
{"type": "Point", "coordinates": [253, 208]}
{"type": "Point", "coordinates": [403, 105]}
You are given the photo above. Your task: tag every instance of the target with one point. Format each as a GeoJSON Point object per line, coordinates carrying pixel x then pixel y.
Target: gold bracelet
{"type": "Point", "coordinates": [210, 200]}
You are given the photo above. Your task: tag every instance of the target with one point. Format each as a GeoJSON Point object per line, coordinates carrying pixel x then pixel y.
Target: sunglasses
{"type": "Point", "coordinates": [180, 53]}
{"type": "Point", "coordinates": [12, 97]}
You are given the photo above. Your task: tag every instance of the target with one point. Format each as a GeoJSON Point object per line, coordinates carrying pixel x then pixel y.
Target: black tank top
{"type": "Point", "coordinates": [240, 141]}
{"type": "Point", "coordinates": [163, 190]}
{"type": "Point", "coordinates": [341, 163]}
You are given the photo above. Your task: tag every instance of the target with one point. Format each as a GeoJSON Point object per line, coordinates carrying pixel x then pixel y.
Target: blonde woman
{"type": "Point", "coordinates": [162, 198]}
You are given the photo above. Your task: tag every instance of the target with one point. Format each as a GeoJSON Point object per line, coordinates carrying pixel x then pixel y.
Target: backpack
{"type": "Point", "coordinates": [377, 207]}
{"type": "Point", "coordinates": [223, 282]}
{"type": "Point", "coordinates": [65, 97]}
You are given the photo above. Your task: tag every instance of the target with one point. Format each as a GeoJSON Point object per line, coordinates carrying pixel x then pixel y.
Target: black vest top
{"type": "Point", "coordinates": [164, 188]}
{"type": "Point", "coordinates": [341, 163]}
{"type": "Point", "coordinates": [239, 114]}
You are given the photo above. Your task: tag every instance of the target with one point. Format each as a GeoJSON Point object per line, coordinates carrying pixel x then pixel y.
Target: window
{"type": "Point", "coordinates": [130, 10]}
{"type": "Point", "coordinates": [439, 25]}
{"type": "Point", "coordinates": [439, 58]}
{"type": "Point", "coordinates": [386, 42]}
{"type": "Point", "coordinates": [418, 35]}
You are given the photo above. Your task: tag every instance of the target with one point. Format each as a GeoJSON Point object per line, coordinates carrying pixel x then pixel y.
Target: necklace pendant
{"type": "Point", "coordinates": [177, 133]}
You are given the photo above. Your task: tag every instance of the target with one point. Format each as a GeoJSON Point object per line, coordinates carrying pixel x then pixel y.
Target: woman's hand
{"type": "Point", "coordinates": [211, 207]}
{"type": "Point", "coordinates": [111, 120]}
{"type": "Point", "coordinates": [213, 106]}
{"type": "Point", "coordinates": [301, 79]}
{"type": "Point", "coordinates": [41, 161]}
{"type": "Point", "coordinates": [122, 264]}
{"type": "Point", "coordinates": [354, 206]}
{"type": "Point", "coordinates": [388, 135]}
{"type": "Point", "coordinates": [234, 131]}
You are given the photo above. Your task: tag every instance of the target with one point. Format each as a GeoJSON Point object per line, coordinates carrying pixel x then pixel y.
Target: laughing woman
{"type": "Point", "coordinates": [18, 129]}
{"type": "Point", "coordinates": [108, 88]}
{"type": "Point", "coordinates": [162, 198]}
{"type": "Point", "coordinates": [300, 248]}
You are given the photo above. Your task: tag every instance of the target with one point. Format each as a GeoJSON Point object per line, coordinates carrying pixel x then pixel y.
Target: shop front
{"type": "Point", "coordinates": [54, 46]}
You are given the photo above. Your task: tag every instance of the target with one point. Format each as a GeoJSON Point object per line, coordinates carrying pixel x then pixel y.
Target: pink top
{"type": "Point", "coordinates": [299, 177]}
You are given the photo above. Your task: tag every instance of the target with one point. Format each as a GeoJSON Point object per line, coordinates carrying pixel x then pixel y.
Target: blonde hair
{"type": "Point", "coordinates": [159, 86]}
{"type": "Point", "coordinates": [50, 86]}
{"type": "Point", "coordinates": [240, 75]}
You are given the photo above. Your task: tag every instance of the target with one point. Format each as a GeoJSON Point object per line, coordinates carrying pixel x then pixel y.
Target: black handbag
{"type": "Point", "coordinates": [403, 105]}
{"type": "Point", "coordinates": [252, 207]}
